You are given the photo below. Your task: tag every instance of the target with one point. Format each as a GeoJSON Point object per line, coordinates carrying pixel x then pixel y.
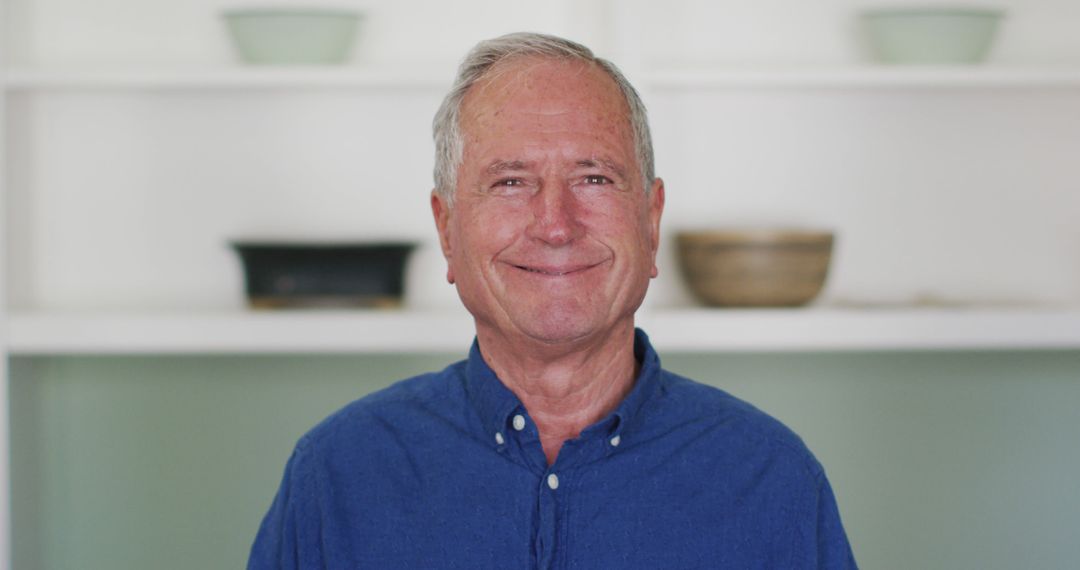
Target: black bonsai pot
{"type": "Point", "coordinates": [293, 274]}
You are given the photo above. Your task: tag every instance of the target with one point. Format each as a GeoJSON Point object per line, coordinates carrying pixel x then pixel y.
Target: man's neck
{"type": "Point", "coordinates": [565, 389]}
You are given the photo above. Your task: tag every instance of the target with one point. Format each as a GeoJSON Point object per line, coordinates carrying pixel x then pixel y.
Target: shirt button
{"type": "Point", "coordinates": [519, 422]}
{"type": "Point", "coordinates": [615, 441]}
{"type": "Point", "coordinates": [499, 438]}
{"type": "Point", "coordinates": [553, 481]}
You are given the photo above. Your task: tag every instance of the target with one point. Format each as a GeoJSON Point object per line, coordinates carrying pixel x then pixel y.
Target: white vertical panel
{"type": "Point", "coordinates": [5, 443]}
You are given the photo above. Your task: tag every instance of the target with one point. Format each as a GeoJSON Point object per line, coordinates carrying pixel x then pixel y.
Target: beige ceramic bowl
{"type": "Point", "coordinates": [755, 268]}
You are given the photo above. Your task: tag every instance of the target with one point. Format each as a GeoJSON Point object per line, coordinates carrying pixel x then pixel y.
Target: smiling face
{"type": "Point", "coordinates": [551, 236]}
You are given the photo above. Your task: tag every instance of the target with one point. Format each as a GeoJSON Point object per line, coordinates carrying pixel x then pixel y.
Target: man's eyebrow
{"type": "Point", "coordinates": [500, 166]}
{"type": "Point", "coordinates": [601, 163]}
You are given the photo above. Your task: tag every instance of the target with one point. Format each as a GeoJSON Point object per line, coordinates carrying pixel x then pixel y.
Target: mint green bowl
{"type": "Point", "coordinates": [292, 36]}
{"type": "Point", "coordinates": [931, 35]}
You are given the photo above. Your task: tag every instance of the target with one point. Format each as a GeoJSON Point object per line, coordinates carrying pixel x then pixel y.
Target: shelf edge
{"type": "Point", "coordinates": [695, 331]}
{"type": "Point", "coordinates": [28, 79]}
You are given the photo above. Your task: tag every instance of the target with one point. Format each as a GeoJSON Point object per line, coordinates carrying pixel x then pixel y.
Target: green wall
{"type": "Point", "coordinates": [939, 460]}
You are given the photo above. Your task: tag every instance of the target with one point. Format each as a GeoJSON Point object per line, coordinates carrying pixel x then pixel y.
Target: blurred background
{"type": "Point", "coordinates": [150, 406]}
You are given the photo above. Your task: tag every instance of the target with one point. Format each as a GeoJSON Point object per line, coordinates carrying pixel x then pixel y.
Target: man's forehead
{"type": "Point", "coordinates": [543, 87]}
{"type": "Point", "coordinates": [531, 71]}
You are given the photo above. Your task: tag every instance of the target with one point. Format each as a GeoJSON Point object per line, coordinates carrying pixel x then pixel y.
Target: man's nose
{"type": "Point", "coordinates": [556, 213]}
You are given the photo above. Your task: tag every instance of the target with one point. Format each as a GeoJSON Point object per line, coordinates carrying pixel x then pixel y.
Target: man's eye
{"type": "Point", "coordinates": [597, 179]}
{"type": "Point", "coordinates": [508, 182]}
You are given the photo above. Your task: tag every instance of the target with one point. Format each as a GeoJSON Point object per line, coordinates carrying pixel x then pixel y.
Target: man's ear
{"type": "Point", "coordinates": [441, 211]}
{"type": "Point", "coordinates": [656, 210]}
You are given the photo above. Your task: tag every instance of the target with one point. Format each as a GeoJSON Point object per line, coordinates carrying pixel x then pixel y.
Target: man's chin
{"type": "Point", "coordinates": [558, 327]}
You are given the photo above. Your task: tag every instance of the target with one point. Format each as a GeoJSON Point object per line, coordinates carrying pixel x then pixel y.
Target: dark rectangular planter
{"type": "Point", "coordinates": [282, 274]}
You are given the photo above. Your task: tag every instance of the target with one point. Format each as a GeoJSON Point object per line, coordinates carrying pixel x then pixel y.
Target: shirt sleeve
{"type": "Point", "coordinates": [832, 549]}
{"type": "Point", "coordinates": [288, 537]}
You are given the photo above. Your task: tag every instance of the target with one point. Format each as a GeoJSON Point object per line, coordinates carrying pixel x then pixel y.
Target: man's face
{"type": "Point", "coordinates": [551, 234]}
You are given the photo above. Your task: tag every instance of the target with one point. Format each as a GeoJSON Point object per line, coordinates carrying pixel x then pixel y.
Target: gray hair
{"type": "Point", "coordinates": [447, 128]}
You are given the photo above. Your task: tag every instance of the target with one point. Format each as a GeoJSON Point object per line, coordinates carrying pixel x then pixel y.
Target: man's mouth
{"type": "Point", "coordinates": [556, 271]}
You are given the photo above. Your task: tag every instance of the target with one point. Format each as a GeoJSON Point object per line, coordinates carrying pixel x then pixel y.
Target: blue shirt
{"type": "Point", "coordinates": [446, 470]}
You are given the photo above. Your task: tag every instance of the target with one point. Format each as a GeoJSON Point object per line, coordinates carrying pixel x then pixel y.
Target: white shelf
{"type": "Point", "coordinates": [238, 77]}
{"type": "Point", "coordinates": [27, 79]}
{"type": "Point", "coordinates": [240, 332]}
{"type": "Point", "coordinates": [688, 330]}
{"type": "Point", "coordinates": [828, 329]}
{"type": "Point", "coordinates": [867, 77]}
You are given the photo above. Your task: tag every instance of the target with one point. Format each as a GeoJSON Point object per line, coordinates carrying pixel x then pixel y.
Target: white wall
{"type": "Point", "coordinates": [66, 32]}
{"type": "Point", "coordinates": [125, 199]}
{"type": "Point", "coordinates": [674, 32]}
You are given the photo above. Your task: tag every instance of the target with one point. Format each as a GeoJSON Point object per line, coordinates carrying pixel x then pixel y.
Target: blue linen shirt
{"type": "Point", "coordinates": [446, 470]}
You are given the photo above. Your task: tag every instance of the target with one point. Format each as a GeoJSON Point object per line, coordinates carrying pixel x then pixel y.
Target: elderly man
{"type": "Point", "coordinates": [559, 442]}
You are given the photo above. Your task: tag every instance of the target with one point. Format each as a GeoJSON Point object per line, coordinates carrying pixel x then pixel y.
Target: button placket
{"type": "Point", "coordinates": [549, 522]}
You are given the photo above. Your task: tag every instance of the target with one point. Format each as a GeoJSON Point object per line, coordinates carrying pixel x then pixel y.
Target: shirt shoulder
{"type": "Point", "coordinates": [737, 422]}
{"type": "Point", "coordinates": [411, 406]}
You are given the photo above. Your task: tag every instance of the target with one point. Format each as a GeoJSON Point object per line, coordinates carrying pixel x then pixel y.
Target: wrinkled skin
{"type": "Point", "coordinates": [551, 239]}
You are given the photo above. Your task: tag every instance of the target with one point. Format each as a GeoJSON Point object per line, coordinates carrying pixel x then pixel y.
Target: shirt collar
{"type": "Point", "coordinates": [491, 398]}
{"type": "Point", "coordinates": [495, 403]}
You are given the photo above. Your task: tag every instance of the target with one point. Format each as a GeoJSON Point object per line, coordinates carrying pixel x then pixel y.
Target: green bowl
{"type": "Point", "coordinates": [292, 36]}
{"type": "Point", "coordinates": [931, 35]}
